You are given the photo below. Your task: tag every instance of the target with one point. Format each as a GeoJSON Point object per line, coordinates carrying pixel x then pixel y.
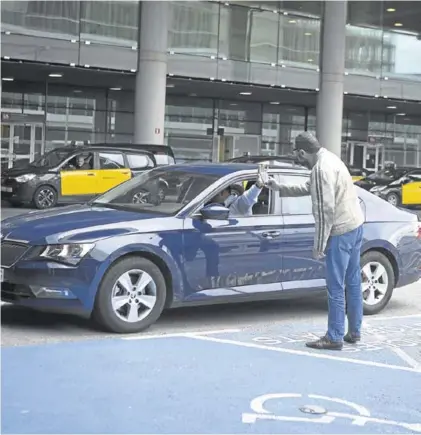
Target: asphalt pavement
{"type": "Point", "coordinates": [239, 368]}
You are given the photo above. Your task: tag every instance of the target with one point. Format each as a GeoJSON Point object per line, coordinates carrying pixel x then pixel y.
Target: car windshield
{"type": "Point", "coordinates": [387, 174]}
{"type": "Point", "coordinates": [157, 191]}
{"type": "Point", "coordinates": [51, 159]}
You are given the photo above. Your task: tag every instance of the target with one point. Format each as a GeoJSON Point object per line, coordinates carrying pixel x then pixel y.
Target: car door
{"type": "Point", "coordinates": [112, 170]}
{"type": "Point", "coordinates": [78, 183]}
{"type": "Point", "coordinates": [234, 258]}
{"type": "Point", "coordinates": [411, 192]}
{"type": "Point", "coordinates": [301, 271]}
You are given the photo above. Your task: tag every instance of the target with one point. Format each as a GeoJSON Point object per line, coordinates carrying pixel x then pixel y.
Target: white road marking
{"type": "Point", "coordinates": [360, 418]}
{"type": "Point", "coordinates": [303, 353]}
{"type": "Point", "coordinates": [180, 334]}
{"type": "Point", "coordinates": [407, 358]}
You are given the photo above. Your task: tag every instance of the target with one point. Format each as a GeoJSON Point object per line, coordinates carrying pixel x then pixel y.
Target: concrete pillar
{"type": "Point", "coordinates": [332, 68]}
{"type": "Point", "coordinates": [151, 74]}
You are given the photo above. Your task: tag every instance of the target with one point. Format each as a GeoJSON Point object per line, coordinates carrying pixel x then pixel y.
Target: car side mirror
{"type": "Point", "coordinates": [215, 211]}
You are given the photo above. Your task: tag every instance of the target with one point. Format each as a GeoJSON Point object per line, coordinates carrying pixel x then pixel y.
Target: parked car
{"type": "Point", "coordinates": [382, 177]}
{"type": "Point", "coordinates": [74, 174]}
{"type": "Point", "coordinates": [405, 191]}
{"type": "Point", "coordinates": [123, 263]}
{"type": "Point", "coordinates": [164, 155]}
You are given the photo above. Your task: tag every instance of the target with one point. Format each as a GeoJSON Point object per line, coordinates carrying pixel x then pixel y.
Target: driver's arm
{"type": "Point", "coordinates": [243, 205]}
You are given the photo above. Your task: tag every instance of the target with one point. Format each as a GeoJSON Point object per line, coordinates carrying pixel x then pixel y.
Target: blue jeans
{"type": "Point", "coordinates": [343, 271]}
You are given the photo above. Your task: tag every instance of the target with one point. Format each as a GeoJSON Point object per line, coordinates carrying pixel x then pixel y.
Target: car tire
{"type": "Point", "coordinates": [394, 199]}
{"type": "Point", "coordinates": [115, 318]}
{"type": "Point", "coordinates": [371, 262]}
{"type": "Point", "coordinates": [45, 197]}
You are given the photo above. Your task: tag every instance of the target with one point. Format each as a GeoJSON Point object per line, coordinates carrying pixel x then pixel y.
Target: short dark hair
{"type": "Point", "coordinates": [307, 142]}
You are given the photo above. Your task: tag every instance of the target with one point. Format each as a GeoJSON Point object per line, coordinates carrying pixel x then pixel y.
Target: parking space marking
{"type": "Point", "coordinates": [359, 417]}
{"type": "Point", "coordinates": [180, 334]}
{"type": "Point", "coordinates": [303, 353]}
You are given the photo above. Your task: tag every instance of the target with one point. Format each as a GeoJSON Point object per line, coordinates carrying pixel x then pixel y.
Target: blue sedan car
{"type": "Point", "coordinates": [129, 254]}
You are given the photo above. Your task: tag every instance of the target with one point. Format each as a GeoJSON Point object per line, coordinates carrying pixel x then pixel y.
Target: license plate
{"type": "Point", "coordinates": [1, 275]}
{"type": "Point", "coordinates": [6, 189]}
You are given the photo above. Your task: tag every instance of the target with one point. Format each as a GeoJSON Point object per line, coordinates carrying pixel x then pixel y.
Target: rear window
{"type": "Point", "coordinates": [139, 161]}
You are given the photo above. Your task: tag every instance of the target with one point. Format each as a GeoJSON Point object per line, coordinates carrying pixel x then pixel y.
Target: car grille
{"type": "Point", "coordinates": [11, 252]}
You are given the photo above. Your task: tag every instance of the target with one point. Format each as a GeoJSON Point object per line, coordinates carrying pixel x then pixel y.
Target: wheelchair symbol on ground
{"type": "Point", "coordinates": [323, 413]}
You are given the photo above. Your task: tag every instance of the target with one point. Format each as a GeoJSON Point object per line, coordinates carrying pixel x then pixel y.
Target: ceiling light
{"type": "Point", "coordinates": [223, 80]}
{"type": "Point", "coordinates": [245, 93]}
{"type": "Point", "coordinates": [227, 4]}
{"type": "Point", "coordinates": [391, 107]}
{"type": "Point", "coordinates": [170, 74]}
{"type": "Point", "coordinates": [275, 102]}
{"type": "Point", "coordinates": [192, 95]}
{"type": "Point", "coordinates": [292, 21]}
{"type": "Point", "coordinates": [212, 79]}
{"type": "Point", "coordinates": [55, 75]}
{"type": "Point", "coordinates": [400, 114]}
{"type": "Point", "coordinates": [385, 97]}
{"type": "Point", "coordinates": [398, 24]}
{"type": "Point", "coordinates": [275, 12]}
{"type": "Point", "coordinates": [212, 57]}
{"type": "Point", "coordinates": [133, 70]}
{"type": "Point", "coordinates": [233, 104]}
{"type": "Point", "coordinates": [77, 91]}
{"type": "Point", "coordinates": [346, 93]}
{"type": "Point", "coordinates": [224, 58]}
{"type": "Point", "coordinates": [391, 10]}
{"type": "Point", "coordinates": [169, 85]}
{"type": "Point", "coordinates": [87, 66]}
{"type": "Point", "coordinates": [7, 33]}
{"type": "Point", "coordinates": [317, 89]}
{"type": "Point", "coordinates": [386, 78]}
{"type": "Point", "coordinates": [347, 73]}
{"type": "Point", "coordinates": [285, 13]}
{"type": "Point", "coordinates": [115, 89]}
{"type": "Point", "coordinates": [307, 34]}
{"type": "Point", "coordinates": [72, 64]}
{"type": "Point", "coordinates": [134, 47]}
{"type": "Point", "coordinates": [309, 60]}
{"type": "Point", "coordinates": [282, 86]}
{"type": "Point", "coordinates": [6, 57]}
{"type": "Point", "coordinates": [273, 64]}
{"type": "Point", "coordinates": [7, 79]}
{"type": "Point", "coordinates": [73, 41]}
{"type": "Point", "coordinates": [283, 66]}
{"type": "Point", "coordinates": [376, 96]}
{"type": "Point", "coordinates": [87, 42]}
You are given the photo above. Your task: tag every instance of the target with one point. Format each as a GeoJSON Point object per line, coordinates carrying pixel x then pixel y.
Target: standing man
{"type": "Point", "coordinates": [338, 236]}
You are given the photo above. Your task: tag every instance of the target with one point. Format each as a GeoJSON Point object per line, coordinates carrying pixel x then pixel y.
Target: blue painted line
{"type": "Point", "coordinates": [186, 385]}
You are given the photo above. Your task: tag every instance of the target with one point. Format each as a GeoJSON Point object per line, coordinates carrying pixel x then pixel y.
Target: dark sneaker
{"type": "Point", "coordinates": [325, 343]}
{"type": "Point", "coordinates": [352, 338]}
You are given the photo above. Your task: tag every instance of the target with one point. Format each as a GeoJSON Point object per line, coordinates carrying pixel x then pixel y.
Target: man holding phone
{"type": "Point", "coordinates": [338, 236]}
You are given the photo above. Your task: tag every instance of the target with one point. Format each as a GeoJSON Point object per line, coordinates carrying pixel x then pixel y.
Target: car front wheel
{"type": "Point", "coordinates": [393, 199]}
{"type": "Point", "coordinates": [131, 296]}
{"type": "Point", "coordinates": [378, 281]}
{"type": "Point", "coordinates": [45, 197]}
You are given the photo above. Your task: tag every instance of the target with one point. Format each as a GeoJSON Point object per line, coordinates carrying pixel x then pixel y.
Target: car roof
{"type": "Point", "coordinates": [223, 169]}
{"type": "Point", "coordinates": [97, 147]}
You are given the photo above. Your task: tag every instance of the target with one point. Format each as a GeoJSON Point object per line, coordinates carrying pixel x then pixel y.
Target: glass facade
{"type": "Point", "coordinates": [250, 42]}
{"type": "Point", "coordinates": [75, 114]}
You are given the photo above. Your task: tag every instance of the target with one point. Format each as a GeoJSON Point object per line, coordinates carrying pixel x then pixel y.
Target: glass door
{"type": "Point", "coordinates": [21, 144]}
{"type": "Point", "coordinates": [6, 146]}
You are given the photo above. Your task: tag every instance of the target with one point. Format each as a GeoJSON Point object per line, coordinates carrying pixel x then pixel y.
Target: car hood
{"type": "Point", "coordinates": [17, 172]}
{"type": "Point", "coordinates": [73, 224]}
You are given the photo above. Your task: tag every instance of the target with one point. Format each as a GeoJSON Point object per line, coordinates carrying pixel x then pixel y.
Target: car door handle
{"type": "Point", "coordinates": [90, 174]}
{"type": "Point", "coordinates": [271, 234]}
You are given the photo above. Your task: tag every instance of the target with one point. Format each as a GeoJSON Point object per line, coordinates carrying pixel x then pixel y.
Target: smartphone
{"type": "Point", "coordinates": [263, 172]}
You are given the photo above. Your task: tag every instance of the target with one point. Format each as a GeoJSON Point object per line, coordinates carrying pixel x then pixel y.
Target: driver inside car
{"type": "Point", "coordinates": [239, 205]}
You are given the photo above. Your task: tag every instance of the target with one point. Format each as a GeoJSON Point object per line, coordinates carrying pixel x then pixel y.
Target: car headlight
{"type": "Point", "coordinates": [25, 178]}
{"type": "Point", "coordinates": [71, 254]}
{"type": "Point", "coordinates": [378, 188]}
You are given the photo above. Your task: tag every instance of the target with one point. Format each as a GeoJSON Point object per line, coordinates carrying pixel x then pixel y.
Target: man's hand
{"type": "Point", "coordinates": [260, 183]}
{"type": "Point", "coordinates": [273, 184]}
{"type": "Point", "coordinates": [318, 255]}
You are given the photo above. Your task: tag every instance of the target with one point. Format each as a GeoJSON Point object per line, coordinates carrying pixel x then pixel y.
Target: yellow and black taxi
{"type": "Point", "coordinates": [73, 174]}
{"type": "Point", "coordinates": [403, 191]}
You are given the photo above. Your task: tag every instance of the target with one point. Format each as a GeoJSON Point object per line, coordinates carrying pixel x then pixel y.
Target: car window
{"type": "Point", "coordinates": [51, 159]}
{"type": "Point", "coordinates": [111, 161]}
{"type": "Point", "coordinates": [81, 161]}
{"type": "Point", "coordinates": [139, 161]}
{"type": "Point", "coordinates": [147, 192]}
{"type": "Point", "coordinates": [296, 205]}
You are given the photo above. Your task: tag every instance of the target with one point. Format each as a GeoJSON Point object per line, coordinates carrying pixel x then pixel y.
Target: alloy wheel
{"type": "Point", "coordinates": [45, 198]}
{"type": "Point", "coordinates": [392, 199]}
{"type": "Point", "coordinates": [134, 296]}
{"type": "Point", "coordinates": [140, 198]}
{"type": "Point", "coordinates": [375, 282]}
